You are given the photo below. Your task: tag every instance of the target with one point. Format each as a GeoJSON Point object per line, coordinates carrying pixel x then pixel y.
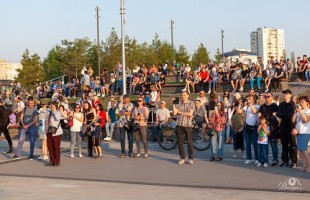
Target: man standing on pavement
{"type": "Point", "coordinates": [184, 111]}
{"type": "Point", "coordinates": [269, 109]}
{"type": "Point", "coordinates": [250, 129]}
{"type": "Point", "coordinates": [289, 148]}
{"type": "Point", "coordinates": [4, 122]}
{"type": "Point", "coordinates": [123, 111]}
{"type": "Point", "coordinates": [29, 119]}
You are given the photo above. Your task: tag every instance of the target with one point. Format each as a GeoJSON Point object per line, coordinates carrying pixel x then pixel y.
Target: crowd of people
{"type": "Point", "coordinates": [253, 121]}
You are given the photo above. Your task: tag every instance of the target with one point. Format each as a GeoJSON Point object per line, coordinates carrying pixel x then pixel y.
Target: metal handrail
{"type": "Point", "coordinates": [62, 78]}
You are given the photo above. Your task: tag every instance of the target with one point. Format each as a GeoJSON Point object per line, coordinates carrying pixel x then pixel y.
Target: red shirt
{"type": "Point", "coordinates": [102, 115]}
{"type": "Point", "coordinates": [95, 103]}
{"type": "Point", "coordinates": [203, 75]}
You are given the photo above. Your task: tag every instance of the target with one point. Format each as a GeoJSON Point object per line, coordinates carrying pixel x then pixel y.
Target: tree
{"type": "Point", "coordinates": [293, 59]}
{"type": "Point", "coordinates": [182, 55]}
{"type": "Point", "coordinates": [218, 56]}
{"type": "Point", "coordinates": [31, 71]}
{"type": "Point", "coordinates": [200, 56]}
{"type": "Point", "coordinates": [112, 51]}
{"type": "Point", "coordinates": [52, 63]}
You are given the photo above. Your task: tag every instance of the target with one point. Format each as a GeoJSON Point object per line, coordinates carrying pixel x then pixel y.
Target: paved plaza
{"type": "Point", "coordinates": [158, 177]}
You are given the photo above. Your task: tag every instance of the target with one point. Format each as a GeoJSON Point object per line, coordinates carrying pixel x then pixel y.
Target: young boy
{"type": "Point", "coordinates": [96, 138]}
{"type": "Point", "coordinates": [262, 142]}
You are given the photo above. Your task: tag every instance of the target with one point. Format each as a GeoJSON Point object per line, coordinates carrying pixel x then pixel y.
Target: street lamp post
{"type": "Point", "coordinates": [98, 42]}
{"type": "Point", "coordinates": [123, 44]}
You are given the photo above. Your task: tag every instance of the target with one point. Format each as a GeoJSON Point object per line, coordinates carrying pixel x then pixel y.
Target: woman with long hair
{"type": "Point", "coordinates": [54, 139]}
{"type": "Point", "coordinates": [140, 115]}
{"type": "Point", "coordinates": [76, 130]}
{"type": "Point", "coordinates": [218, 121]}
{"type": "Point", "coordinates": [302, 130]}
{"type": "Point", "coordinates": [89, 118]}
{"type": "Point", "coordinates": [103, 116]}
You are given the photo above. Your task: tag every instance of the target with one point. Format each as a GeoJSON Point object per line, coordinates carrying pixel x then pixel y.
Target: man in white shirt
{"type": "Point", "coordinates": [250, 128]}
{"type": "Point", "coordinates": [162, 119]}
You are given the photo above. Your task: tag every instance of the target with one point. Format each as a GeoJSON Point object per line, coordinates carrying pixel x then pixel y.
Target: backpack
{"type": "Point", "coordinates": [6, 116]}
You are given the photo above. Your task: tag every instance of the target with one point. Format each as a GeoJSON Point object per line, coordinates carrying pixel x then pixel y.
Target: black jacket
{"type": "Point", "coordinates": [286, 112]}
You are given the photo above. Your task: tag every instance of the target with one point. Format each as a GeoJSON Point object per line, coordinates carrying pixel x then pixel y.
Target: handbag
{"type": "Point", "coordinates": [135, 126]}
{"type": "Point", "coordinates": [70, 122]}
{"type": "Point", "coordinates": [52, 129]}
{"type": "Point", "coordinates": [211, 132]}
{"type": "Point", "coordinates": [20, 123]}
{"type": "Point", "coordinates": [127, 125]}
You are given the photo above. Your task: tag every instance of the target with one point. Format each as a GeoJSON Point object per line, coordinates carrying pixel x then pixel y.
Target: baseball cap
{"type": "Point", "coordinates": [163, 102]}
{"type": "Point", "coordinates": [287, 92]}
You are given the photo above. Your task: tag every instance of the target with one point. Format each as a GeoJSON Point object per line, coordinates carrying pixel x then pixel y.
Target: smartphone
{"type": "Point", "coordinates": [176, 100]}
{"type": "Point", "coordinates": [215, 107]}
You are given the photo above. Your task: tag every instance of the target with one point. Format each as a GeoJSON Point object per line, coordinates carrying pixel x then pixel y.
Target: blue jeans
{"type": "Point", "coordinates": [258, 79]}
{"type": "Point", "coordinates": [307, 74]}
{"type": "Point", "coordinates": [250, 138]}
{"type": "Point", "coordinates": [31, 132]}
{"type": "Point", "coordinates": [274, 148]}
{"type": "Point", "coordinates": [217, 143]}
{"type": "Point", "coordinates": [214, 84]}
{"type": "Point", "coordinates": [262, 153]}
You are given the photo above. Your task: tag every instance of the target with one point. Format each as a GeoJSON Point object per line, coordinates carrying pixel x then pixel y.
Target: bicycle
{"type": "Point", "coordinates": [167, 137]}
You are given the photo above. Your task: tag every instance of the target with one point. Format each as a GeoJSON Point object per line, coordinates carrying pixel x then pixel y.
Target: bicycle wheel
{"type": "Point", "coordinates": [167, 139]}
{"type": "Point", "coordinates": [201, 141]}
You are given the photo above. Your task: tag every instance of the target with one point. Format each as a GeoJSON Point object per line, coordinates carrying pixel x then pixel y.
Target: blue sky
{"type": "Point", "coordinates": [40, 24]}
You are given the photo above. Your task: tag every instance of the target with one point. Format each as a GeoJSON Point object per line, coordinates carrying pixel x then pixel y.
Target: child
{"type": "Point", "coordinates": [96, 138]}
{"type": "Point", "coordinates": [43, 120]}
{"type": "Point", "coordinates": [262, 142]}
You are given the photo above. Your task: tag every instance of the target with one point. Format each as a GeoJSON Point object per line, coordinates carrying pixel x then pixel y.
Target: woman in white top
{"type": "Point", "coordinates": [302, 130]}
{"type": "Point", "coordinates": [76, 130]}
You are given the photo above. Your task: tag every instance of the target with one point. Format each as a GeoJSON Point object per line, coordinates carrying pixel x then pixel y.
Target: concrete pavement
{"type": "Point", "coordinates": [158, 171]}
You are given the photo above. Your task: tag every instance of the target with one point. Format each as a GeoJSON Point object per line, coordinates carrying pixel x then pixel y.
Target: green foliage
{"type": "Point", "coordinates": [201, 55]}
{"type": "Point", "coordinates": [293, 59]}
{"type": "Point", "coordinates": [69, 57]}
{"type": "Point", "coordinates": [218, 56]}
{"type": "Point", "coordinates": [31, 71]}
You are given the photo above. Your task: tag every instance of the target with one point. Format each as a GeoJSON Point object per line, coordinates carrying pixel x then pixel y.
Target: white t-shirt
{"type": "Point", "coordinates": [250, 117]}
{"type": "Point", "coordinates": [77, 125]}
{"type": "Point", "coordinates": [154, 96]}
{"type": "Point", "coordinates": [302, 128]}
{"type": "Point", "coordinates": [262, 136]}
{"type": "Point", "coordinates": [20, 106]}
{"type": "Point", "coordinates": [162, 114]}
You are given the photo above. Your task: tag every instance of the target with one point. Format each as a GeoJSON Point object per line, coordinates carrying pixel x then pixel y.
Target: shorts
{"type": "Point", "coordinates": [42, 134]}
{"type": "Point", "coordinates": [96, 142]}
{"type": "Point", "coordinates": [302, 142]}
{"type": "Point", "coordinates": [106, 86]}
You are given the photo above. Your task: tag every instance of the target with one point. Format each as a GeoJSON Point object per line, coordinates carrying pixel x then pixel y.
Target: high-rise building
{"type": "Point", "coordinates": [268, 43]}
{"type": "Point", "coordinates": [8, 70]}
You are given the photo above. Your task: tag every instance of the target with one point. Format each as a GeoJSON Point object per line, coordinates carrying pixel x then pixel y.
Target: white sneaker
{"type": "Point", "coordinates": [247, 161]}
{"type": "Point", "coordinates": [256, 162]}
{"type": "Point", "coordinates": [107, 138]}
{"type": "Point", "coordinates": [209, 91]}
{"type": "Point", "coordinates": [266, 90]}
{"type": "Point", "coordinates": [265, 165]}
{"type": "Point", "coordinates": [80, 155]}
{"type": "Point", "coordinates": [190, 161]}
{"type": "Point", "coordinates": [259, 165]}
{"type": "Point", "coordinates": [71, 156]}
{"type": "Point", "coordinates": [40, 157]}
{"type": "Point", "coordinates": [45, 157]}
{"type": "Point", "coordinates": [241, 89]}
{"type": "Point", "coordinates": [181, 161]}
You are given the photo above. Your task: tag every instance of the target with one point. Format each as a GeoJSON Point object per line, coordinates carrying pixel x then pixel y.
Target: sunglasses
{"type": "Point", "coordinates": [267, 97]}
{"type": "Point", "coordinates": [78, 107]}
{"type": "Point", "coordinates": [139, 101]}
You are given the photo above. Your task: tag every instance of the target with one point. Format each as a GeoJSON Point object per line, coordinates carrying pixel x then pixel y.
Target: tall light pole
{"type": "Point", "coordinates": [171, 27]}
{"type": "Point", "coordinates": [98, 42]}
{"type": "Point", "coordinates": [123, 44]}
{"type": "Point", "coordinates": [222, 38]}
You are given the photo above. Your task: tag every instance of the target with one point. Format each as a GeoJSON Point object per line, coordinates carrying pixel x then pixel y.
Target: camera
{"type": "Point", "coordinates": [176, 100]}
